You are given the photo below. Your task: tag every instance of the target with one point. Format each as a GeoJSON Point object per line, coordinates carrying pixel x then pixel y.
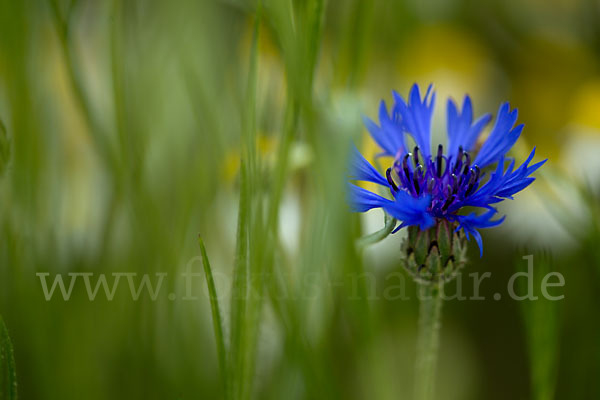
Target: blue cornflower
{"type": "Point", "coordinates": [430, 188]}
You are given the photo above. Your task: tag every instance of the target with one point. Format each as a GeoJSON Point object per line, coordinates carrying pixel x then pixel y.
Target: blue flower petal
{"type": "Point", "coordinates": [462, 131]}
{"type": "Point", "coordinates": [503, 184]}
{"type": "Point", "coordinates": [518, 180]}
{"type": "Point", "coordinates": [405, 208]}
{"type": "Point", "coordinates": [471, 222]}
{"type": "Point", "coordinates": [502, 137]}
{"type": "Point", "coordinates": [416, 116]}
{"type": "Point", "coordinates": [389, 136]}
{"type": "Point", "coordinates": [411, 210]}
{"type": "Point", "coordinates": [362, 200]}
{"type": "Point", "coordinates": [362, 170]}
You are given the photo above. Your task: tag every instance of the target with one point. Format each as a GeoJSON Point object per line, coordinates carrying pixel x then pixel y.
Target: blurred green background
{"type": "Point", "coordinates": [125, 126]}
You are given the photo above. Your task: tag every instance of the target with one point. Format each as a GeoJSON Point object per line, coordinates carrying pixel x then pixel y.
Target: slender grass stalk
{"type": "Point", "coordinates": [117, 68]}
{"type": "Point", "coordinates": [63, 30]}
{"type": "Point", "coordinates": [216, 317]}
{"type": "Point", "coordinates": [254, 226]}
{"type": "Point", "coordinates": [106, 151]}
{"type": "Point", "coordinates": [8, 375]}
{"type": "Point", "coordinates": [315, 17]}
{"type": "Point", "coordinates": [430, 313]}
{"type": "Point", "coordinates": [357, 35]}
{"type": "Point", "coordinates": [542, 331]}
{"type": "Point", "coordinates": [4, 148]}
{"type": "Point", "coordinates": [240, 286]}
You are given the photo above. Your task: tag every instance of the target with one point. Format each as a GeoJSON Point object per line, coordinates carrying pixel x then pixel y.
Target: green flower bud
{"type": "Point", "coordinates": [436, 255]}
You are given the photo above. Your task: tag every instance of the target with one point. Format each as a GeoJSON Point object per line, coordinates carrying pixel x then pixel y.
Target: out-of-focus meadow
{"type": "Point", "coordinates": [131, 127]}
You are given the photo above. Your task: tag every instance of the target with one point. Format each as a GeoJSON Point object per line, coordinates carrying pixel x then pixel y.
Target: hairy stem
{"type": "Point", "coordinates": [430, 313]}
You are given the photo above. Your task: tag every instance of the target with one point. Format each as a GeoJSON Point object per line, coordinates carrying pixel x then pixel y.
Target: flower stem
{"type": "Point", "coordinates": [430, 312]}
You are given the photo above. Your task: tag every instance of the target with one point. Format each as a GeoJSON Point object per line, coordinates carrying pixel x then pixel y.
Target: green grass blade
{"type": "Point", "coordinates": [240, 285]}
{"type": "Point", "coordinates": [4, 148]}
{"type": "Point", "coordinates": [8, 375]}
{"type": "Point", "coordinates": [249, 118]}
{"type": "Point", "coordinates": [255, 241]}
{"type": "Point", "coordinates": [315, 10]}
{"type": "Point", "coordinates": [216, 316]}
{"type": "Point", "coordinates": [74, 75]}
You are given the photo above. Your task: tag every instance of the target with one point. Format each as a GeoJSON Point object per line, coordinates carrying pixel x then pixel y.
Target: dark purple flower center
{"type": "Point", "coordinates": [448, 181]}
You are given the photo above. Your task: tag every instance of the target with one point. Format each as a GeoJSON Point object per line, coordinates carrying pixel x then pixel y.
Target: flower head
{"type": "Point", "coordinates": [428, 187]}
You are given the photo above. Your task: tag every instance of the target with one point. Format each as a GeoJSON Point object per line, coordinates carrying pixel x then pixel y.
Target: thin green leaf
{"type": "Point", "coordinates": [8, 375]}
{"type": "Point", "coordinates": [390, 224]}
{"type": "Point", "coordinates": [216, 316]}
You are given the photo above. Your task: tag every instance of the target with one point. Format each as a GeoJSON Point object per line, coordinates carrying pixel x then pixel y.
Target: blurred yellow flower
{"type": "Point", "coordinates": [448, 55]}
{"type": "Point", "coordinates": [265, 145]}
{"type": "Point", "coordinates": [585, 107]}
